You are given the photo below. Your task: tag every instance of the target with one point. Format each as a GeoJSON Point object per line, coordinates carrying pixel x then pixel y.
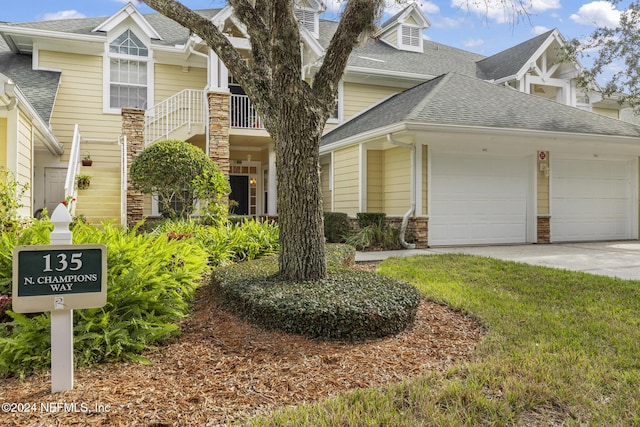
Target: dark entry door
{"type": "Point", "coordinates": [240, 193]}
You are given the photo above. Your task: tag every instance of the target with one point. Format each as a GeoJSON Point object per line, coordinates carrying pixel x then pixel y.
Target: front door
{"type": "Point", "coordinates": [239, 194]}
{"type": "Point", "coordinates": [54, 179]}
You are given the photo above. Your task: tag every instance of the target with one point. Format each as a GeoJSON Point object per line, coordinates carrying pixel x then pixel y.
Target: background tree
{"type": "Point", "coordinates": [609, 45]}
{"type": "Point", "coordinates": [181, 174]}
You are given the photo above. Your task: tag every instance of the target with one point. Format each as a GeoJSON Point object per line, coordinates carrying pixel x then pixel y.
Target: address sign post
{"type": "Point", "coordinates": [59, 278]}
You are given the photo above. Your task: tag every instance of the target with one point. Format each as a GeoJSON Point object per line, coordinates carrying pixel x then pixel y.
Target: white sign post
{"type": "Point", "coordinates": [59, 278]}
{"type": "Point", "coordinates": [61, 318]}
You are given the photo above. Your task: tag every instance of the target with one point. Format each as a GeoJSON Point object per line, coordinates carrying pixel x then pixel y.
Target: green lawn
{"type": "Point", "coordinates": [562, 348]}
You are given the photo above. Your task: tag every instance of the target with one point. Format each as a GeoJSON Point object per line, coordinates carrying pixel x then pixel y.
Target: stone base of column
{"type": "Point", "coordinates": [544, 229]}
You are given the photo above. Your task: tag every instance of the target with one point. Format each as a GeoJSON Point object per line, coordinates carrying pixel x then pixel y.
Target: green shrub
{"type": "Point", "coordinates": [366, 219]}
{"type": "Point", "coordinates": [348, 304]}
{"type": "Point", "coordinates": [11, 195]}
{"type": "Point", "coordinates": [246, 240]}
{"type": "Point", "coordinates": [340, 255]}
{"type": "Point", "coordinates": [336, 227]}
{"type": "Point", "coordinates": [383, 236]}
{"type": "Point", "coordinates": [150, 283]}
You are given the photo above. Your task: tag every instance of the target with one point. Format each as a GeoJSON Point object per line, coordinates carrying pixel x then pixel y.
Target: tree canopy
{"type": "Point", "coordinates": [609, 45]}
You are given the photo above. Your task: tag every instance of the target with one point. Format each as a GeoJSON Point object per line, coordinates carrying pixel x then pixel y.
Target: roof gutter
{"type": "Point", "coordinates": [412, 208]}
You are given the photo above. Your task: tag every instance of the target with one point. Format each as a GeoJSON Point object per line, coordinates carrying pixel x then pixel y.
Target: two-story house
{"type": "Point", "coordinates": [467, 148]}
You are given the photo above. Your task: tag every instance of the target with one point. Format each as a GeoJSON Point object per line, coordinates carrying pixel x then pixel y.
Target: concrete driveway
{"type": "Point", "coordinates": [618, 259]}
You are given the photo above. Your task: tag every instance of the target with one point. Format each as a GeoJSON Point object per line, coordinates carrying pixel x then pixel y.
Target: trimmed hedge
{"type": "Point", "coordinates": [348, 304]}
{"type": "Point", "coordinates": [336, 227]}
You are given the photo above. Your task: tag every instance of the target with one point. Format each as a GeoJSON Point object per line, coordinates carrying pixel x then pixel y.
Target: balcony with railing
{"type": "Point", "coordinates": [242, 114]}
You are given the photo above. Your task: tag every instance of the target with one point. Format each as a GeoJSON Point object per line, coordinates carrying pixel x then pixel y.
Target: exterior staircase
{"type": "Point", "coordinates": [180, 116]}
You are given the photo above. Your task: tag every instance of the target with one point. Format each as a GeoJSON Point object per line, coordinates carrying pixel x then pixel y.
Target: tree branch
{"type": "Point", "coordinates": [357, 19]}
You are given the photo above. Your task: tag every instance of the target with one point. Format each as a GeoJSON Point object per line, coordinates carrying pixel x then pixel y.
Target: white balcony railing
{"type": "Point", "coordinates": [186, 108]}
{"type": "Point", "coordinates": [242, 114]}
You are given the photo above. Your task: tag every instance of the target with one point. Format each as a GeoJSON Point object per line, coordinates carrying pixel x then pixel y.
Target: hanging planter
{"type": "Point", "coordinates": [86, 161]}
{"type": "Point", "coordinates": [83, 181]}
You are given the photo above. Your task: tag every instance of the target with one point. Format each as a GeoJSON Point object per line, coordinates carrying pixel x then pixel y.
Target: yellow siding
{"type": "Point", "coordinates": [25, 156]}
{"type": "Point", "coordinates": [391, 37]}
{"type": "Point", "coordinates": [543, 188]}
{"type": "Point", "coordinates": [171, 79]}
{"type": "Point", "coordinates": [607, 112]}
{"type": "Point", "coordinates": [101, 201]}
{"type": "Point", "coordinates": [411, 21]}
{"type": "Point", "coordinates": [325, 177]}
{"type": "Point", "coordinates": [425, 182]}
{"type": "Point", "coordinates": [3, 142]}
{"type": "Point", "coordinates": [256, 156]}
{"type": "Point", "coordinates": [375, 175]}
{"type": "Point", "coordinates": [358, 97]}
{"type": "Point", "coordinates": [397, 180]}
{"type": "Point", "coordinates": [346, 180]}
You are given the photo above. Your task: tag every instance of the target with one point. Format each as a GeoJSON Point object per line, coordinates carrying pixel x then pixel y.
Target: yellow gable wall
{"type": "Point", "coordinates": [607, 112]}
{"type": "Point", "coordinates": [25, 157]}
{"type": "Point", "coordinates": [358, 97]}
{"type": "Point", "coordinates": [3, 142]}
{"type": "Point", "coordinates": [79, 100]}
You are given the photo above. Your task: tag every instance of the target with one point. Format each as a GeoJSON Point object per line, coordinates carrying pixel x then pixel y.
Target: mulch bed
{"type": "Point", "coordinates": [222, 370]}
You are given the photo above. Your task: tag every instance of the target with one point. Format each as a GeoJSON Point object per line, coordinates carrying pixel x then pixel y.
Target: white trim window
{"type": "Point", "coordinates": [410, 38]}
{"type": "Point", "coordinates": [128, 72]}
{"type": "Point", "coordinates": [338, 116]}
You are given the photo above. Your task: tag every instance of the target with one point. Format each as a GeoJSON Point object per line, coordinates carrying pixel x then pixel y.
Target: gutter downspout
{"type": "Point", "coordinates": [412, 208]}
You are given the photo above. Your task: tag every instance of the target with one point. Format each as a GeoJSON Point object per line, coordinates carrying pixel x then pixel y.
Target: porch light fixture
{"type": "Point", "coordinates": [544, 168]}
{"type": "Point", "coordinates": [252, 181]}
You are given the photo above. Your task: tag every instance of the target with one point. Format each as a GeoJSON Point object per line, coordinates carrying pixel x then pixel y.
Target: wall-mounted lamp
{"type": "Point", "coordinates": [252, 181]}
{"type": "Point", "coordinates": [544, 168]}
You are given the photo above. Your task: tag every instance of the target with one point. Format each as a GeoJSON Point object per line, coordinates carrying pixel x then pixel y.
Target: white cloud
{"type": "Point", "coordinates": [501, 11]}
{"type": "Point", "coordinates": [539, 29]}
{"type": "Point", "coordinates": [391, 7]}
{"type": "Point", "coordinates": [473, 42]}
{"type": "Point", "coordinates": [598, 13]}
{"type": "Point", "coordinates": [63, 14]}
{"type": "Point", "coordinates": [444, 22]}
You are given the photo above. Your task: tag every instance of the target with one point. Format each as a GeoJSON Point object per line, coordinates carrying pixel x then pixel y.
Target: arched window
{"type": "Point", "coordinates": [128, 58]}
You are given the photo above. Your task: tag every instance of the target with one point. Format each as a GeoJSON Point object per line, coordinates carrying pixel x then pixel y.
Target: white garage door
{"type": "Point", "coordinates": [478, 200]}
{"type": "Point", "coordinates": [590, 200]}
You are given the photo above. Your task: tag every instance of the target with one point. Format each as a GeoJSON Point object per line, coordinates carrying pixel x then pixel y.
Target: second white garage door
{"type": "Point", "coordinates": [591, 200]}
{"type": "Point", "coordinates": [478, 200]}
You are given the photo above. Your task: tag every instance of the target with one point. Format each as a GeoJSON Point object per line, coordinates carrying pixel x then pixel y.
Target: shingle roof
{"type": "Point", "coordinates": [455, 99]}
{"type": "Point", "coordinates": [435, 59]}
{"type": "Point", "coordinates": [510, 61]}
{"type": "Point", "coordinates": [171, 32]}
{"type": "Point", "coordinates": [39, 87]}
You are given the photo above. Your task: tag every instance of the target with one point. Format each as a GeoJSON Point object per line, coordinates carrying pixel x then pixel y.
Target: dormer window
{"type": "Point", "coordinates": [128, 71]}
{"type": "Point", "coordinates": [410, 38]}
{"type": "Point", "coordinates": [308, 19]}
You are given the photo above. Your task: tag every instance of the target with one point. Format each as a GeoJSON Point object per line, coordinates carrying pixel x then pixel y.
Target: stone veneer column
{"type": "Point", "coordinates": [219, 129]}
{"type": "Point", "coordinates": [133, 129]}
{"type": "Point", "coordinates": [544, 229]}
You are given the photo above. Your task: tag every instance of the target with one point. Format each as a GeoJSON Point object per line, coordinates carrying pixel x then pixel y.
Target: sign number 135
{"type": "Point", "coordinates": [64, 263]}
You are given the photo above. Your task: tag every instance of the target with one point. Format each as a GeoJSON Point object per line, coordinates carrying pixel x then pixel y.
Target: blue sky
{"type": "Point", "coordinates": [484, 29]}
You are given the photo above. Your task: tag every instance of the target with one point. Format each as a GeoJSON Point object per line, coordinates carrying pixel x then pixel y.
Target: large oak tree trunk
{"type": "Point", "coordinates": [302, 253]}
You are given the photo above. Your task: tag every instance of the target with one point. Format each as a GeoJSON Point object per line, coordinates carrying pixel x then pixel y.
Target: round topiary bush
{"type": "Point", "coordinates": [348, 304]}
{"type": "Point", "coordinates": [180, 174]}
